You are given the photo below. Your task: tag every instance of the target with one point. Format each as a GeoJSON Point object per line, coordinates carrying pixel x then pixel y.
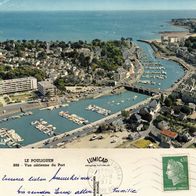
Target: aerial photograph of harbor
{"type": "Point", "coordinates": [97, 74]}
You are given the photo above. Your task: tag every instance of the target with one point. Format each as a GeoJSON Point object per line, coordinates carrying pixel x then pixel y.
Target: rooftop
{"type": "Point", "coordinates": [46, 84]}
{"type": "Point", "coordinates": [169, 133]}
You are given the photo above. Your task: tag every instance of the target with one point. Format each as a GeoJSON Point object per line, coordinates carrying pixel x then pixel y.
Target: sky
{"type": "Point", "coordinates": [37, 5]}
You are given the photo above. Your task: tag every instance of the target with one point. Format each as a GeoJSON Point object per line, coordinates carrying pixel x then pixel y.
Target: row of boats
{"type": "Point", "coordinates": [44, 127]}
{"type": "Point", "coordinates": [99, 110]}
{"type": "Point", "coordinates": [54, 107]}
{"type": "Point", "coordinates": [149, 82]}
{"type": "Point", "coordinates": [10, 138]}
{"type": "Point", "coordinates": [16, 116]}
{"type": "Point", "coordinates": [156, 72]}
{"type": "Point", "coordinates": [154, 67]}
{"type": "Point", "coordinates": [161, 77]}
{"type": "Point", "coordinates": [73, 117]}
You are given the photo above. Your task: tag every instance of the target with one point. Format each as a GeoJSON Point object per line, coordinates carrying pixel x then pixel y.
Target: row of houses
{"type": "Point", "coordinates": [144, 116]}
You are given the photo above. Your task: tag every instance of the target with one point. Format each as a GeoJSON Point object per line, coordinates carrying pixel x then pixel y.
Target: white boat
{"type": "Point", "coordinates": [135, 97]}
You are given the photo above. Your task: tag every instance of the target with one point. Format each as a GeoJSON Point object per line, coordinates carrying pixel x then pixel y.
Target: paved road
{"type": "Point", "coordinates": [13, 108]}
{"type": "Point", "coordinates": [189, 143]}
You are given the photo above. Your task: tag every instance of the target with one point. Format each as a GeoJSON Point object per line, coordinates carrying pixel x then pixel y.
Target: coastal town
{"type": "Point", "coordinates": [52, 75]}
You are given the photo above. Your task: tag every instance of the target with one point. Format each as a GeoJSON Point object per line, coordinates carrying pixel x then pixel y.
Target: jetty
{"type": "Point", "coordinates": [44, 127]}
{"type": "Point", "coordinates": [74, 118]}
{"type": "Point", "coordinates": [99, 110]}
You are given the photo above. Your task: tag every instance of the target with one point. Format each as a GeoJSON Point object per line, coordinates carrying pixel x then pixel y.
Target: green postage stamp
{"type": "Point", "coordinates": [175, 173]}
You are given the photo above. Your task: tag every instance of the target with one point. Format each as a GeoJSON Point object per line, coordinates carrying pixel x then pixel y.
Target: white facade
{"type": "Point", "coordinates": [45, 87]}
{"type": "Point", "coordinates": [18, 85]}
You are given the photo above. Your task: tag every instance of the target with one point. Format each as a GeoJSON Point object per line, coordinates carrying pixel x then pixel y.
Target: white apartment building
{"type": "Point", "coordinates": [18, 85]}
{"type": "Point", "coordinates": [45, 87]}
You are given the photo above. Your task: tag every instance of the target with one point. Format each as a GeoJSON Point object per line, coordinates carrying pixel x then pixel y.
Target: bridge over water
{"type": "Point", "coordinates": [142, 90]}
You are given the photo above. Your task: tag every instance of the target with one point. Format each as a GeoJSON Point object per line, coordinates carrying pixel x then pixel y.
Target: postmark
{"type": "Point", "coordinates": [105, 175]}
{"type": "Point", "coordinates": [175, 173]}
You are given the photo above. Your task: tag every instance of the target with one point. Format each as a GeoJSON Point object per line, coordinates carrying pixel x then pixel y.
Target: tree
{"type": "Point", "coordinates": [102, 128]}
{"type": "Point", "coordinates": [125, 113]}
{"type": "Point", "coordinates": [168, 102]}
{"type": "Point", "coordinates": [60, 84]}
{"type": "Point", "coordinates": [192, 130]}
{"type": "Point", "coordinates": [185, 109]}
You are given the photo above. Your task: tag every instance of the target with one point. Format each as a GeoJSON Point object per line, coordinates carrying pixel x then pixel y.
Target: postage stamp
{"type": "Point", "coordinates": [175, 173]}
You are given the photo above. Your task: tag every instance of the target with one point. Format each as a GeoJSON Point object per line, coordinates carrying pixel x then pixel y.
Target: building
{"type": "Point", "coordinates": [168, 135]}
{"type": "Point", "coordinates": [46, 88]}
{"type": "Point", "coordinates": [18, 85]}
{"type": "Point", "coordinates": [121, 74]}
{"type": "Point", "coordinates": [155, 105]}
{"type": "Point", "coordinates": [174, 37]}
{"type": "Point", "coordinates": [163, 125]}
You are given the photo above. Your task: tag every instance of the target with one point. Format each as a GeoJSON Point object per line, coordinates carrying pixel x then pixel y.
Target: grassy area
{"type": "Point", "coordinates": [142, 143]}
{"type": "Point", "coordinates": [23, 97]}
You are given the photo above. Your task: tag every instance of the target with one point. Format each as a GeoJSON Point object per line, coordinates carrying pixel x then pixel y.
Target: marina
{"type": "Point", "coordinates": [44, 127]}
{"type": "Point", "coordinates": [74, 118]}
{"type": "Point", "coordinates": [99, 110]}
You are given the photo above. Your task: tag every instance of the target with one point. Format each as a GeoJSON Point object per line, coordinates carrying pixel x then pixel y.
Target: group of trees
{"type": "Point", "coordinates": [111, 56]}
{"type": "Point", "coordinates": [69, 80]}
{"type": "Point", "coordinates": [171, 100]}
{"type": "Point", "coordinates": [6, 72]}
{"type": "Point", "coordinates": [190, 43]}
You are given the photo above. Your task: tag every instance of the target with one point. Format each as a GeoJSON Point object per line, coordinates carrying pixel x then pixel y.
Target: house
{"type": "Point", "coordinates": [139, 128]}
{"type": "Point", "coordinates": [168, 135]}
{"type": "Point", "coordinates": [136, 118]}
{"type": "Point", "coordinates": [163, 125]}
{"type": "Point", "coordinates": [146, 114]}
{"type": "Point", "coordinates": [166, 110]}
{"type": "Point", "coordinates": [155, 135]}
{"type": "Point", "coordinates": [182, 116]}
{"type": "Point", "coordinates": [189, 97]}
{"type": "Point", "coordinates": [192, 106]}
{"type": "Point", "coordinates": [130, 137]}
{"type": "Point", "coordinates": [121, 74]}
{"type": "Point", "coordinates": [185, 137]}
{"type": "Point", "coordinates": [144, 111]}
{"type": "Point", "coordinates": [155, 105]}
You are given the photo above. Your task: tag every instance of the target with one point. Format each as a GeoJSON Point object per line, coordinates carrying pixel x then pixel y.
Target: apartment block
{"type": "Point", "coordinates": [18, 85]}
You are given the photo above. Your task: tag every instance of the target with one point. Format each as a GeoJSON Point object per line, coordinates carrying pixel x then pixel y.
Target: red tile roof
{"type": "Point", "coordinates": [169, 133]}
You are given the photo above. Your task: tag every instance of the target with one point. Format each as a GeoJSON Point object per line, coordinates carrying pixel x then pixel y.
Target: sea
{"type": "Point", "coordinates": [88, 25]}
